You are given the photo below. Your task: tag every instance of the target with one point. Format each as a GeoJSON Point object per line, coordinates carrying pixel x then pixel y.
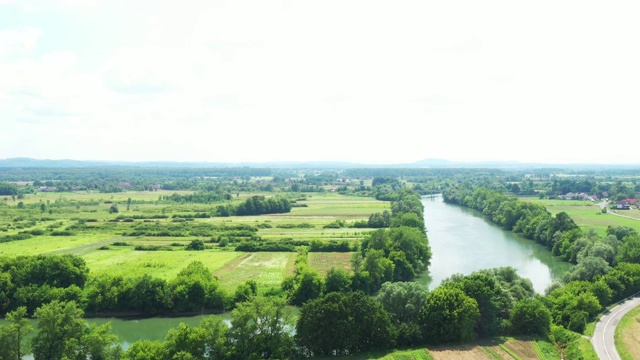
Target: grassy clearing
{"type": "Point", "coordinates": [586, 214]}
{"type": "Point", "coordinates": [627, 336]}
{"type": "Point", "coordinates": [125, 261]}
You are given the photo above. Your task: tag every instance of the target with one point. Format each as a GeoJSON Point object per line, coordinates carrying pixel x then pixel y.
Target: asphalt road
{"type": "Point", "coordinates": [605, 328]}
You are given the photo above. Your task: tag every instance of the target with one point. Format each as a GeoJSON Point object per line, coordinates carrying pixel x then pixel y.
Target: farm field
{"type": "Point", "coordinates": [490, 350]}
{"type": "Point", "coordinates": [83, 226]}
{"type": "Point", "coordinates": [587, 214]}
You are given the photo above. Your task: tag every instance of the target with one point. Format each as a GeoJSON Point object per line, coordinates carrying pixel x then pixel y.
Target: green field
{"type": "Point", "coordinates": [587, 214]}
{"type": "Point", "coordinates": [90, 226]}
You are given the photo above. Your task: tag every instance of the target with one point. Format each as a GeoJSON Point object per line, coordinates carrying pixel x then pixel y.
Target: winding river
{"type": "Point", "coordinates": [463, 241]}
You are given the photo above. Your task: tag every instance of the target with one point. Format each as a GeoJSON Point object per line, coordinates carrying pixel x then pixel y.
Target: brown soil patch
{"type": "Point", "coordinates": [499, 352]}
{"type": "Point", "coordinates": [524, 349]}
{"type": "Point", "coordinates": [460, 352]}
{"type": "Point", "coordinates": [631, 336]}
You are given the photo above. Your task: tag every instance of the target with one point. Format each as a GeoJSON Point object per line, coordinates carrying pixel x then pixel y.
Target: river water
{"type": "Point", "coordinates": [463, 241]}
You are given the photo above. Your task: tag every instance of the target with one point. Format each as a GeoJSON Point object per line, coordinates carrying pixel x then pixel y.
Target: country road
{"type": "Point", "coordinates": [602, 339]}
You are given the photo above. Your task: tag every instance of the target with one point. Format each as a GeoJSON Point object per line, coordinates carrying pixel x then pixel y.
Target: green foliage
{"type": "Point", "coordinates": [494, 303]}
{"type": "Point", "coordinates": [449, 316]}
{"type": "Point", "coordinates": [195, 290]}
{"type": "Point", "coordinates": [259, 329]}
{"type": "Point", "coordinates": [341, 324]}
{"type": "Point", "coordinates": [113, 209]}
{"type": "Point", "coordinates": [8, 189]}
{"type": "Point", "coordinates": [34, 280]}
{"type": "Point", "coordinates": [257, 205]}
{"type": "Point", "coordinates": [12, 336]}
{"type": "Point", "coordinates": [145, 350]}
{"type": "Point", "coordinates": [196, 245]}
{"type": "Point", "coordinates": [531, 317]}
{"type": "Point", "coordinates": [62, 334]}
{"type": "Point", "coordinates": [337, 280]}
{"type": "Point", "coordinates": [404, 302]}
{"type": "Point", "coordinates": [309, 286]}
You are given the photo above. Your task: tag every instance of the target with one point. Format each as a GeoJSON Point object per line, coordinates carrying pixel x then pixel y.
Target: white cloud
{"type": "Point", "coordinates": [363, 81]}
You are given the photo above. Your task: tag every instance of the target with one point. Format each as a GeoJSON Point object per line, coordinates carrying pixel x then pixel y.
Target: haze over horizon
{"type": "Point", "coordinates": [283, 81]}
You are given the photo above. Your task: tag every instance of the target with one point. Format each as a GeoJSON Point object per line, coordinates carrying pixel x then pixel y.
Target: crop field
{"type": "Point", "coordinates": [80, 223]}
{"type": "Point", "coordinates": [322, 262]}
{"type": "Point", "coordinates": [267, 268]}
{"type": "Point", "coordinates": [587, 214]}
{"type": "Point", "coordinates": [492, 350]}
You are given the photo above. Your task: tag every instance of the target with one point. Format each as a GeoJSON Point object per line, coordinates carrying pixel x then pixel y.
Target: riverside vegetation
{"type": "Point", "coordinates": [144, 243]}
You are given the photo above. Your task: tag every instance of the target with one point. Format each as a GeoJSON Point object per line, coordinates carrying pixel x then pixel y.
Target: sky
{"type": "Point", "coordinates": [370, 81]}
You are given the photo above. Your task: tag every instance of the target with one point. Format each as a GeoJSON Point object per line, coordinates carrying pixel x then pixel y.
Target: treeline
{"type": "Point", "coordinates": [31, 281]}
{"type": "Point", "coordinates": [398, 253]}
{"type": "Point", "coordinates": [336, 323]}
{"type": "Point", "coordinates": [420, 172]}
{"type": "Point", "coordinates": [8, 189]}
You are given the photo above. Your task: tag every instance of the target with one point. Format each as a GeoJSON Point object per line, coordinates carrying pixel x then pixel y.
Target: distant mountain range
{"type": "Point", "coordinates": [426, 163]}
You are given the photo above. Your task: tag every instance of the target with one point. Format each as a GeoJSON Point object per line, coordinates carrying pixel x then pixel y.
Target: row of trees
{"type": "Point", "coordinates": [31, 281]}
{"type": "Point", "coordinates": [337, 323]}
{"type": "Point", "coordinates": [482, 304]}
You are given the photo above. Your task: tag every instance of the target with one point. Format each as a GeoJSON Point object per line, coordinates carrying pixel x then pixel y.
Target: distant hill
{"type": "Point", "coordinates": [426, 163]}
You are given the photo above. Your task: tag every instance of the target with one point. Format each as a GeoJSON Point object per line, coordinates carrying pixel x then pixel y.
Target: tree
{"type": "Point", "coordinates": [145, 350]}
{"type": "Point", "coordinates": [337, 280]}
{"type": "Point", "coordinates": [12, 336]}
{"type": "Point", "coordinates": [98, 343]}
{"type": "Point", "coordinates": [343, 323]}
{"type": "Point", "coordinates": [196, 245]}
{"type": "Point", "coordinates": [494, 303]}
{"type": "Point", "coordinates": [215, 337]}
{"type": "Point", "coordinates": [309, 287]}
{"type": "Point", "coordinates": [629, 251]}
{"type": "Point", "coordinates": [259, 329]}
{"type": "Point", "coordinates": [531, 317]}
{"type": "Point", "coordinates": [404, 302]}
{"type": "Point", "coordinates": [588, 269]}
{"type": "Point", "coordinates": [113, 209]}
{"type": "Point", "coordinates": [449, 316]}
{"type": "Point", "coordinates": [60, 327]}
{"type": "Point", "coordinates": [185, 339]}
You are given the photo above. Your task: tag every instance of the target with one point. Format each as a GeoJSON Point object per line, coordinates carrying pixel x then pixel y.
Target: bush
{"type": "Point", "coordinates": [196, 245]}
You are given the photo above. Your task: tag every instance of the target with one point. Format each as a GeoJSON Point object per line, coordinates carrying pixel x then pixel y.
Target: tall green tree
{"type": "Point", "coordinates": [404, 302]}
{"type": "Point", "coordinates": [343, 323]}
{"type": "Point", "coordinates": [260, 329]}
{"type": "Point", "coordinates": [12, 346]}
{"type": "Point", "coordinates": [60, 327]}
{"type": "Point", "coordinates": [449, 316]}
{"type": "Point", "coordinates": [531, 317]}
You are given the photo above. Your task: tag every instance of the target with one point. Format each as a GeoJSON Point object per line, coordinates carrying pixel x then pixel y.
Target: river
{"type": "Point", "coordinates": [463, 241]}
